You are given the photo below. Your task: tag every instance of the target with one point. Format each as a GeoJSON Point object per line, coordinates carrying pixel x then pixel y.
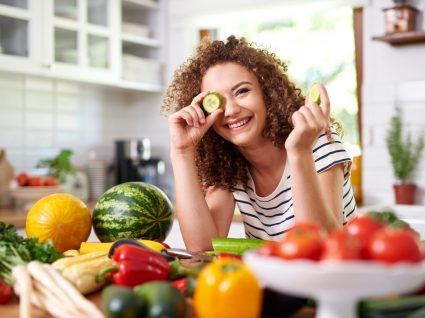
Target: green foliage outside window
{"type": "Point", "coordinates": [318, 46]}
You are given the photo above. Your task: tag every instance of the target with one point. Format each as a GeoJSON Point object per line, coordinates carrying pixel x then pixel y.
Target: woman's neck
{"type": "Point", "coordinates": [266, 166]}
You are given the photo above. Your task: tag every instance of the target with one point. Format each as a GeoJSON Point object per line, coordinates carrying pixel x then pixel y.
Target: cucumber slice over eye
{"type": "Point", "coordinates": [211, 102]}
{"type": "Point", "coordinates": [314, 94]}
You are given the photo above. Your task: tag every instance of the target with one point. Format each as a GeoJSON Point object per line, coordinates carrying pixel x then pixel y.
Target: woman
{"type": "Point", "coordinates": [265, 150]}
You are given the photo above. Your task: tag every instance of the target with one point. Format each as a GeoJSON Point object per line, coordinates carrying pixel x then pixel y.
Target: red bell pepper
{"type": "Point", "coordinates": [133, 265]}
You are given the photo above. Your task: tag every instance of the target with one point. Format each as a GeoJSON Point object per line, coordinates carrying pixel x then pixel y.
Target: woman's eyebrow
{"type": "Point", "coordinates": [240, 84]}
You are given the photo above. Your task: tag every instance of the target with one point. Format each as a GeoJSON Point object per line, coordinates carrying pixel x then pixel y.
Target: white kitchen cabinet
{"type": "Point", "coordinates": [19, 26]}
{"type": "Point", "coordinates": [111, 42]}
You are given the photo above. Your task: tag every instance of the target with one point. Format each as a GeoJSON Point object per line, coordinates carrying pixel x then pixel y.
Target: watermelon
{"type": "Point", "coordinates": [136, 210]}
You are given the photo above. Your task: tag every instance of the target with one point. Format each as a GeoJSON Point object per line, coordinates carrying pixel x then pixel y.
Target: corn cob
{"type": "Point", "coordinates": [68, 261]}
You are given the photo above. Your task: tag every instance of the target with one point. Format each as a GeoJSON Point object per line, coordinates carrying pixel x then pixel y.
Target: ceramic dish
{"type": "Point", "coordinates": [336, 286]}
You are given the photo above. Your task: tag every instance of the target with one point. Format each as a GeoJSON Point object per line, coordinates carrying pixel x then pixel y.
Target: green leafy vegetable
{"type": "Point", "coordinates": [17, 250]}
{"type": "Point", "coordinates": [60, 166]}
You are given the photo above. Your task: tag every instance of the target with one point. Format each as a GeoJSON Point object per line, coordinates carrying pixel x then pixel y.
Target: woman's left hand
{"type": "Point", "coordinates": [309, 122]}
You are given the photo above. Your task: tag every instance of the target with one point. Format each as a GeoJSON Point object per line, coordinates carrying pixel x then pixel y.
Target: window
{"type": "Point", "coordinates": [318, 46]}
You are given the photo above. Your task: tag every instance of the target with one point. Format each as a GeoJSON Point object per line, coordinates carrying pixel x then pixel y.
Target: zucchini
{"type": "Point", "coordinates": [391, 308]}
{"type": "Point", "coordinates": [237, 246]}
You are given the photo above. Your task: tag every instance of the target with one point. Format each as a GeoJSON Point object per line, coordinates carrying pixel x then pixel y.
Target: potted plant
{"type": "Point", "coordinates": [405, 156]}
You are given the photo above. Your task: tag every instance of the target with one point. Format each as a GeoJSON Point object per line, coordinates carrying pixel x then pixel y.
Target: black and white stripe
{"type": "Point", "coordinates": [270, 217]}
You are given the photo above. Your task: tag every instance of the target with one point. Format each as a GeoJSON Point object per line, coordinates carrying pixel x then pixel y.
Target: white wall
{"type": "Point", "coordinates": [392, 75]}
{"type": "Point", "coordinates": [39, 116]}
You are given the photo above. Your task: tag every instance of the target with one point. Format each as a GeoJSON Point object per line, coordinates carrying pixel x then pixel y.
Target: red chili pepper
{"type": "Point", "coordinates": [5, 292]}
{"type": "Point", "coordinates": [165, 244]}
{"type": "Point", "coordinates": [134, 265]}
{"type": "Point", "coordinates": [229, 255]}
{"type": "Point", "coordinates": [180, 284]}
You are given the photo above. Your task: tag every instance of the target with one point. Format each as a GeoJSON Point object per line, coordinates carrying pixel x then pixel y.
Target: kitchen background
{"type": "Point", "coordinates": [46, 105]}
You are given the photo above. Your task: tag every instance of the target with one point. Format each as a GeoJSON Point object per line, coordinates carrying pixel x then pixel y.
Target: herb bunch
{"type": "Point", "coordinates": [17, 250]}
{"type": "Point", "coordinates": [405, 154]}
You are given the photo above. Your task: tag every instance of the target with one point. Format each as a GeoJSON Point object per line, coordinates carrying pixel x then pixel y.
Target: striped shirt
{"type": "Point", "coordinates": [271, 216]}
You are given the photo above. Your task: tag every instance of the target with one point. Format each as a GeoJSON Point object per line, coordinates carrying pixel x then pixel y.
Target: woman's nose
{"type": "Point", "coordinates": [231, 108]}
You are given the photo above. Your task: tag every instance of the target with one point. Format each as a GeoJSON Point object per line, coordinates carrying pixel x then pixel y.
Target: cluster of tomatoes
{"type": "Point", "coordinates": [25, 180]}
{"type": "Point", "coordinates": [368, 237]}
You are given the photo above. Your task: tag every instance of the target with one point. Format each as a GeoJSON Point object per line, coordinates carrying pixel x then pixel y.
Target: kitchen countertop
{"type": "Point", "coordinates": [18, 216]}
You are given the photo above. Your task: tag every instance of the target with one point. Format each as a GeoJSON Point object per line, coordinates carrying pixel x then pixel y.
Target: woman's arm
{"type": "Point", "coordinates": [200, 218]}
{"type": "Point", "coordinates": [315, 196]}
{"type": "Point", "coordinates": [199, 221]}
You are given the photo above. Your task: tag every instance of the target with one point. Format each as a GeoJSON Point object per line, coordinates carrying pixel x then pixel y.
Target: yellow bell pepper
{"type": "Point", "coordinates": [227, 288]}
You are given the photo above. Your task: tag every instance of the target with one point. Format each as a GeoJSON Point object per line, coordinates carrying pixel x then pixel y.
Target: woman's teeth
{"type": "Point", "coordinates": [238, 124]}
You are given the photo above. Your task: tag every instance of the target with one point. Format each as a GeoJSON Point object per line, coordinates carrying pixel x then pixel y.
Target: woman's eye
{"type": "Point", "coordinates": [242, 91]}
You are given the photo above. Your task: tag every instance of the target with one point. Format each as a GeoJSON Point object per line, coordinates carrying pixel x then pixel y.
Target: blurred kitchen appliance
{"type": "Point", "coordinates": [133, 162]}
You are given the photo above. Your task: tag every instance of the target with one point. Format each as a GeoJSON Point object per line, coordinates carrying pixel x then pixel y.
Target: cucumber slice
{"type": "Point", "coordinates": [314, 94]}
{"type": "Point", "coordinates": [211, 102]}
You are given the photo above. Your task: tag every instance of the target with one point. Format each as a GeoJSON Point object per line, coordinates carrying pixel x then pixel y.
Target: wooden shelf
{"type": "Point", "coordinates": [402, 38]}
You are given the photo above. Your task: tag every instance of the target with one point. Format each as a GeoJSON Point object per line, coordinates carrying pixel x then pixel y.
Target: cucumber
{"type": "Point", "coordinates": [314, 94]}
{"type": "Point", "coordinates": [237, 246]}
{"type": "Point", "coordinates": [211, 102]}
{"type": "Point", "coordinates": [391, 308]}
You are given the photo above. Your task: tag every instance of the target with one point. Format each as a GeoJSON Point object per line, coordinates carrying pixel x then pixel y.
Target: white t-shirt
{"type": "Point", "coordinates": [271, 216]}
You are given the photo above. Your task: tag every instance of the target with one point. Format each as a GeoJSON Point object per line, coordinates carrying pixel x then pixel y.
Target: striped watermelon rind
{"type": "Point", "coordinates": [133, 210]}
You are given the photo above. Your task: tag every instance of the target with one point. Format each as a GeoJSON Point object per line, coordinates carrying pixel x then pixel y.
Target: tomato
{"type": "Point", "coordinates": [304, 241]}
{"type": "Point", "coordinates": [51, 181]}
{"type": "Point", "coordinates": [5, 292]}
{"type": "Point", "coordinates": [36, 181]}
{"type": "Point", "coordinates": [268, 249]}
{"type": "Point", "coordinates": [342, 246]}
{"type": "Point", "coordinates": [363, 227]}
{"type": "Point", "coordinates": [394, 245]}
{"type": "Point", "coordinates": [22, 179]}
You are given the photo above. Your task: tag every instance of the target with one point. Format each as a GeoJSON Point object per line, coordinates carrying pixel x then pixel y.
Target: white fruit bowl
{"type": "Point", "coordinates": [337, 286]}
{"type": "Point", "coordinates": [29, 195]}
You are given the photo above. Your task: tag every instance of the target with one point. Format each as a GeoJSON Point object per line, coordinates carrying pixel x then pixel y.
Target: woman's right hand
{"type": "Point", "coordinates": [189, 125]}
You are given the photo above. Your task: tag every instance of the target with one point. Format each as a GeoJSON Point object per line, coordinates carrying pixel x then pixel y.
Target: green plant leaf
{"type": "Point", "coordinates": [404, 153]}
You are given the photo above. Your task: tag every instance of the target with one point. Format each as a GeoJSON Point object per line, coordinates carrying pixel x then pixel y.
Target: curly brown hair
{"type": "Point", "coordinates": [218, 161]}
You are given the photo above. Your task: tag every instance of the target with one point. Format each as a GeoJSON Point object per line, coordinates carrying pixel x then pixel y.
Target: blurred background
{"type": "Point", "coordinates": [89, 76]}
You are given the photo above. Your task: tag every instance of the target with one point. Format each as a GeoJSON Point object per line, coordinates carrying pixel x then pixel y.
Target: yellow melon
{"type": "Point", "coordinates": [61, 218]}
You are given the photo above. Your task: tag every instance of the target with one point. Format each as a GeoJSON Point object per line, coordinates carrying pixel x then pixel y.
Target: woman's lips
{"type": "Point", "coordinates": [238, 124]}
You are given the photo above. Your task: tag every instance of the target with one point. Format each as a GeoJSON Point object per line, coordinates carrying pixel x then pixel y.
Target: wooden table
{"type": "Point", "coordinates": [11, 310]}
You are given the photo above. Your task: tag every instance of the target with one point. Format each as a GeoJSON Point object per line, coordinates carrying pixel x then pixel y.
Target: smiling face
{"type": "Point", "coordinates": [244, 116]}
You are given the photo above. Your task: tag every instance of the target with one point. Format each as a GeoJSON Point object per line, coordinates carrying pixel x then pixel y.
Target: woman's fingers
{"type": "Point", "coordinates": [324, 101]}
{"type": "Point", "coordinates": [325, 106]}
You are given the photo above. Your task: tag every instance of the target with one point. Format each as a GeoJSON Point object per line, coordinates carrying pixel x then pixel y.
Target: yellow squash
{"type": "Point", "coordinates": [89, 247]}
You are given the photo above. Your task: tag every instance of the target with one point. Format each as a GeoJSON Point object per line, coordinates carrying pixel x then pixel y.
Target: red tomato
{"type": "Point", "coordinates": [363, 227]}
{"type": "Point", "coordinates": [268, 249]}
{"type": "Point", "coordinates": [342, 246]}
{"type": "Point", "coordinates": [36, 181]}
{"type": "Point", "coordinates": [51, 181]}
{"type": "Point", "coordinates": [304, 241]}
{"type": "Point", "coordinates": [5, 292]}
{"type": "Point", "coordinates": [394, 245]}
{"type": "Point", "coordinates": [22, 179]}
